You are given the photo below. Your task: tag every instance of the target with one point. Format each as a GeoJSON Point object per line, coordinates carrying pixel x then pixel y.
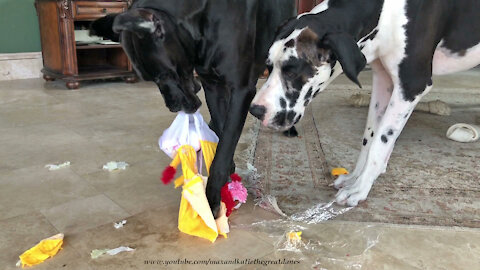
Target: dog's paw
{"type": "Point", "coordinates": [215, 210]}
{"type": "Point", "coordinates": [353, 194]}
{"type": "Point", "coordinates": [343, 181]}
{"type": "Point", "coordinates": [214, 199]}
{"type": "Point", "coordinates": [216, 181]}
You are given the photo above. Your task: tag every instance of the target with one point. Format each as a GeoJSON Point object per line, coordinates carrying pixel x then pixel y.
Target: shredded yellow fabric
{"type": "Point", "coordinates": [195, 217]}
{"type": "Point", "coordinates": [45, 249]}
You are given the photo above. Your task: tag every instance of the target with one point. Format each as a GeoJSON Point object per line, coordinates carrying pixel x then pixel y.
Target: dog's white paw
{"type": "Point", "coordinates": [353, 194]}
{"type": "Point", "coordinates": [344, 180]}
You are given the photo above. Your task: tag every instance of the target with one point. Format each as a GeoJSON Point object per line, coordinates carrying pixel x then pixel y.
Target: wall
{"type": "Point", "coordinates": [18, 27]}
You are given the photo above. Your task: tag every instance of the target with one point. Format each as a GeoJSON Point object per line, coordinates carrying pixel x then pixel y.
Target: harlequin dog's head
{"type": "Point", "coordinates": [159, 50]}
{"type": "Point", "coordinates": [301, 64]}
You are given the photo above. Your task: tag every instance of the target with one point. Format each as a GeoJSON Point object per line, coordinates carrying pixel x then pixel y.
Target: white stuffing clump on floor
{"type": "Point", "coordinates": [54, 167]}
{"type": "Point", "coordinates": [114, 165]}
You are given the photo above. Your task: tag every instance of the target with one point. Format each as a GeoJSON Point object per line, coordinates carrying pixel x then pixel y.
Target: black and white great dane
{"type": "Point", "coordinates": [225, 41]}
{"type": "Point", "coordinates": [405, 42]}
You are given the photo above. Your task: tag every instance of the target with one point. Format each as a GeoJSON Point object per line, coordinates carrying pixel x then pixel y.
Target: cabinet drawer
{"type": "Point", "coordinates": [90, 10]}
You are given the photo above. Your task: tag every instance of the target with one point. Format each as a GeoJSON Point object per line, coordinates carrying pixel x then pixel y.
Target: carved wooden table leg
{"type": "Point", "coordinates": [131, 79]}
{"type": "Point", "coordinates": [73, 85]}
{"type": "Point", "coordinates": [48, 78]}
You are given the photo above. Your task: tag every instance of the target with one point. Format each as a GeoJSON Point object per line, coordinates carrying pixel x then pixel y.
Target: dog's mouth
{"type": "Point", "coordinates": [187, 105]}
{"type": "Point", "coordinates": [178, 98]}
{"type": "Point", "coordinates": [281, 121]}
{"type": "Point", "coordinates": [279, 128]}
{"type": "Point", "coordinates": [192, 105]}
{"type": "Point", "coordinates": [275, 127]}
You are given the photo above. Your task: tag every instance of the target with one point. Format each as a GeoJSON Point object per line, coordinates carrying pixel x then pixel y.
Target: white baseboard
{"type": "Point", "coordinates": [15, 66]}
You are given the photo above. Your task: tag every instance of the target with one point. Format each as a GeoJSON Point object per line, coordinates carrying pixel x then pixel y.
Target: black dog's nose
{"type": "Point", "coordinates": [258, 111]}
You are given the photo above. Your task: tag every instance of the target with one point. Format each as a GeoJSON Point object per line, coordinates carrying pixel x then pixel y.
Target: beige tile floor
{"type": "Point", "coordinates": [42, 123]}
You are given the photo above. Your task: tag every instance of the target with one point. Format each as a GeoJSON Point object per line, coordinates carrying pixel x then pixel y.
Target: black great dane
{"type": "Point", "coordinates": [225, 41]}
{"type": "Point", "coordinates": [405, 42]}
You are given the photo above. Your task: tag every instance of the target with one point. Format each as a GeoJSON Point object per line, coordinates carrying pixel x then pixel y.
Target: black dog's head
{"type": "Point", "coordinates": [302, 63]}
{"type": "Point", "coordinates": [160, 51]}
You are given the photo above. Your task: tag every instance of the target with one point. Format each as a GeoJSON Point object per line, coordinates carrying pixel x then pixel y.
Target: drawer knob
{"type": "Point", "coordinates": [104, 10]}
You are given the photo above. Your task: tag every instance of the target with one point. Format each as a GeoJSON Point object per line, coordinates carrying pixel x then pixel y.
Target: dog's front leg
{"type": "Point", "coordinates": [391, 125]}
{"type": "Point", "coordinates": [218, 97]}
{"type": "Point", "coordinates": [381, 94]}
{"type": "Point", "coordinates": [220, 171]}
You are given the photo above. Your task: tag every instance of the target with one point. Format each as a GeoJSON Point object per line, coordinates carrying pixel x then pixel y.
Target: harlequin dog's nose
{"type": "Point", "coordinates": [258, 111]}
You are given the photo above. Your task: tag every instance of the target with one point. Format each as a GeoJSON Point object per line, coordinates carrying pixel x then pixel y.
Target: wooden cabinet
{"type": "Point", "coordinates": [63, 58]}
{"type": "Point", "coordinates": [87, 10]}
{"type": "Point", "coordinates": [306, 5]}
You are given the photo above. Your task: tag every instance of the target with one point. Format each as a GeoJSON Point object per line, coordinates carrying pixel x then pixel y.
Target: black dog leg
{"type": "Point", "coordinates": [217, 97]}
{"type": "Point", "coordinates": [221, 167]}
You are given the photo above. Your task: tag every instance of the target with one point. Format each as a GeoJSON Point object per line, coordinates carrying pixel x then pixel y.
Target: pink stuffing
{"type": "Point", "coordinates": [238, 191]}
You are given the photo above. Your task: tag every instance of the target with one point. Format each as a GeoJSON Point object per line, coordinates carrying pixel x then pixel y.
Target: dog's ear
{"type": "Point", "coordinates": [141, 21]}
{"type": "Point", "coordinates": [103, 27]}
{"type": "Point", "coordinates": [309, 47]}
{"type": "Point", "coordinates": [345, 49]}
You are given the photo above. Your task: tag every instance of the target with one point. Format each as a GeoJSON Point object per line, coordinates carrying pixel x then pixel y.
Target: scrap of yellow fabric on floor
{"type": "Point", "coordinates": [294, 236]}
{"type": "Point", "coordinates": [45, 249]}
{"type": "Point", "coordinates": [188, 135]}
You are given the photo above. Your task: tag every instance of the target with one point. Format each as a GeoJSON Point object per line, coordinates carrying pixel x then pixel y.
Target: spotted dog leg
{"type": "Point", "coordinates": [381, 93]}
{"type": "Point", "coordinates": [396, 116]}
